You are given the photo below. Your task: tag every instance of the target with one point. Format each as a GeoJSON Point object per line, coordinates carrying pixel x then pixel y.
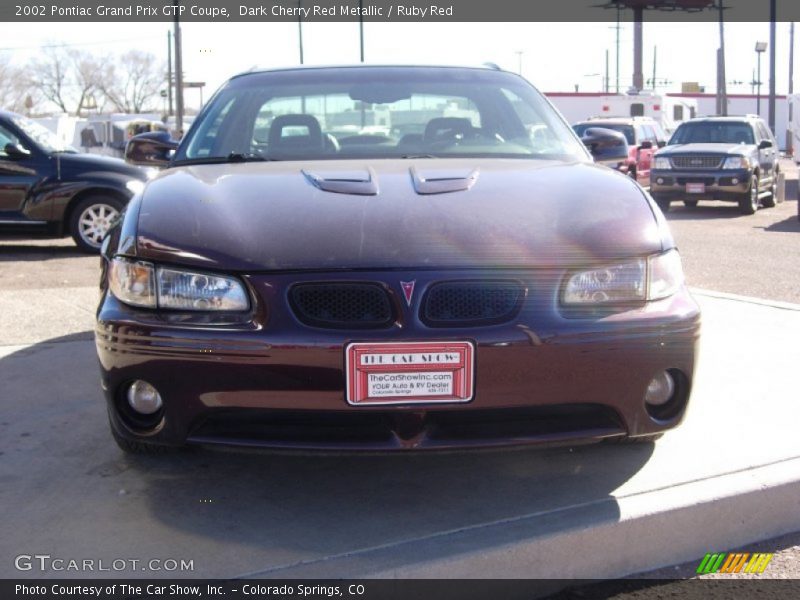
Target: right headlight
{"type": "Point", "coordinates": [639, 280]}
{"type": "Point", "coordinates": [662, 162]}
{"type": "Point", "coordinates": [140, 283]}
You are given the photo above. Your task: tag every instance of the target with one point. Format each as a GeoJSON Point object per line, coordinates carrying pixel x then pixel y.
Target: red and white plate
{"type": "Point", "coordinates": [409, 372]}
{"type": "Point", "coordinates": [695, 188]}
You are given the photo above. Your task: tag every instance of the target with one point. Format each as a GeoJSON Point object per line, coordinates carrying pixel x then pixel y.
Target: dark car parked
{"type": "Point", "coordinates": [290, 280]}
{"type": "Point", "coordinates": [718, 158]}
{"type": "Point", "coordinates": [49, 188]}
{"type": "Point", "coordinates": [644, 136]}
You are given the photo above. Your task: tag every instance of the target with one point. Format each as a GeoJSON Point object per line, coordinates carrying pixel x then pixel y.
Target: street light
{"type": "Point", "coordinates": [761, 47]}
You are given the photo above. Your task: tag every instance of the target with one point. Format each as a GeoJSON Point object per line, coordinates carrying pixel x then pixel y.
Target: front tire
{"type": "Point", "coordinates": [663, 204]}
{"type": "Point", "coordinates": [748, 202]}
{"type": "Point", "coordinates": [91, 219]}
{"type": "Point", "coordinates": [772, 201]}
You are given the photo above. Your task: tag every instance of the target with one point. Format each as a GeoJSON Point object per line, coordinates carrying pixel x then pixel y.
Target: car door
{"type": "Point", "coordinates": [644, 133]}
{"type": "Point", "coordinates": [766, 156]}
{"type": "Point", "coordinates": [18, 175]}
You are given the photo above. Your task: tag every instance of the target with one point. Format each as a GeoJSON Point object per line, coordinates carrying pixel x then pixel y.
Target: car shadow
{"type": "Point", "coordinates": [13, 249]}
{"type": "Point", "coordinates": [703, 211]}
{"type": "Point", "coordinates": [68, 488]}
{"type": "Point", "coordinates": [792, 224]}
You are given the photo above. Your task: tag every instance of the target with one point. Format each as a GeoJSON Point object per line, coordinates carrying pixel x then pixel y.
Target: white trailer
{"type": "Point", "coordinates": [669, 111]}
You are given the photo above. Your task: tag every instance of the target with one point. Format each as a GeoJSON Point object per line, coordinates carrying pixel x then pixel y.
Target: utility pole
{"type": "Point", "coordinates": [300, 29]}
{"type": "Point", "coordinates": [178, 73]}
{"type": "Point", "coordinates": [638, 73]}
{"type": "Point", "coordinates": [655, 50]}
{"type": "Point", "coordinates": [773, 16]}
{"type": "Point", "coordinates": [791, 67]}
{"type": "Point", "coordinates": [169, 73]}
{"type": "Point", "coordinates": [616, 70]}
{"type": "Point", "coordinates": [605, 81]}
{"type": "Point", "coordinates": [722, 89]}
{"type": "Point", "coordinates": [361, 26]}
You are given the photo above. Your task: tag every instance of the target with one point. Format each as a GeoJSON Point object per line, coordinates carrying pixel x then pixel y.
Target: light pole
{"type": "Point", "coordinates": [761, 47]}
{"type": "Point", "coordinates": [519, 54]}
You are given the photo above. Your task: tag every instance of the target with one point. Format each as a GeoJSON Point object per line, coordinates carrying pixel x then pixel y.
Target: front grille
{"type": "Point", "coordinates": [707, 181]}
{"type": "Point", "coordinates": [468, 303]}
{"type": "Point", "coordinates": [697, 162]}
{"type": "Point", "coordinates": [342, 305]}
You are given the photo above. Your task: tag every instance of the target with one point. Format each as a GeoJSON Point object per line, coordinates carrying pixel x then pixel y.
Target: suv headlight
{"type": "Point", "coordinates": [638, 280]}
{"type": "Point", "coordinates": [142, 284]}
{"type": "Point", "coordinates": [736, 162]}
{"type": "Point", "coordinates": [662, 162]}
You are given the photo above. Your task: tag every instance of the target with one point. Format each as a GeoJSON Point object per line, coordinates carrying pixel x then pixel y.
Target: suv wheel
{"type": "Point", "coordinates": [748, 202]}
{"type": "Point", "coordinates": [663, 203]}
{"type": "Point", "coordinates": [773, 192]}
{"type": "Point", "coordinates": [91, 219]}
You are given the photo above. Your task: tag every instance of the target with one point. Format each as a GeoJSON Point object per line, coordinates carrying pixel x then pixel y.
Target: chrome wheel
{"type": "Point", "coordinates": [94, 221]}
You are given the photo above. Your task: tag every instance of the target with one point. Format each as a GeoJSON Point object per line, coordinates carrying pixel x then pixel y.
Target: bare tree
{"type": "Point", "coordinates": [134, 82]}
{"type": "Point", "coordinates": [90, 74]}
{"type": "Point", "coordinates": [51, 76]}
{"type": "Point", "coordinates": [14, 89]}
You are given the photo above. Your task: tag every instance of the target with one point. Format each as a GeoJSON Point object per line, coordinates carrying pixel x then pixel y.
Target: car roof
{"type": "Point", "coordinates": [482, 67]}
{"type": "Point", "coordinates": [726, 119]}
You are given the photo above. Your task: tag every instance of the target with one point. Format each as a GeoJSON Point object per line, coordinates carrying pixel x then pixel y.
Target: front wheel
{"type": "Point", "coordinates": [772, 201]}
{"type": "Point", "coordinates": [91, 219]}
{"type": "Point", "coordinates": [663, 204]}
{"type": "Point", "coordinates": [748, 202]}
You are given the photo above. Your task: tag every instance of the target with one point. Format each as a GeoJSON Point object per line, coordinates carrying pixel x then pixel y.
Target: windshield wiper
{"type": "Point", "coordinates": [418, 156]}
{"type": "Point", "coordinates": [247, 157]}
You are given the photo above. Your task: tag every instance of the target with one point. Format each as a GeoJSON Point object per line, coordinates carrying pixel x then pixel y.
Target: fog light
{"type": "Point", "coordinates": [734, 181]}
{"type": "Point", "coordinates": [144, 398]}
{"type": "Point", "coordinates": [660, 389]}
{"type": "Point", "coordinates": [660, 180]}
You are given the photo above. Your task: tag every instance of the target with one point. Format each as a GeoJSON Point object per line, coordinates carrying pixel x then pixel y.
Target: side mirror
{"type": "Point", "coordinates": [605, 144]}
{"type": "Point", "coordinates": [646, 145]}
{"type": "Point", "coordinates": [153, 149]}
{"type": "Point", "coordinates": [662, 143]}
{"type": "Point", "coordinates": [764, 144]}
{"type": "Point", "coordinates": [15, 152]}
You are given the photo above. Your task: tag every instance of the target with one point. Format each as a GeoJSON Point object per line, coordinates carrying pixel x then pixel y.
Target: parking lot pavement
{"type": "Point", "coordinates": [756, 255]}
{"type": "Point", "coordinates": [726, 477]}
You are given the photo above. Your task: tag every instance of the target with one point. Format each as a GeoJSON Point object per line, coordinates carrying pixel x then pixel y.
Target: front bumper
{"type": "Point", "coordinates": [729, 184]}
{"type": "Point", "coordinates": [272, 382]}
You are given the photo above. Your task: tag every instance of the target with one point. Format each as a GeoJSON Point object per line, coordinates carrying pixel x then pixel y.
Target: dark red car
{"type": "Point", "coordinates": [389, 258]}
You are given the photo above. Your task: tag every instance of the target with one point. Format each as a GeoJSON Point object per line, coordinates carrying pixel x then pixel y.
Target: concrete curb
{"type": "Point", "coordinates": [605, 539]}
{"type": "Point", "coordinates": [748, 299]}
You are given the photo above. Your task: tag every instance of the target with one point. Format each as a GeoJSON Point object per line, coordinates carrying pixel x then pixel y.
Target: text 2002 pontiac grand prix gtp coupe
{"type": "Point", "coordinates": [389, 258]}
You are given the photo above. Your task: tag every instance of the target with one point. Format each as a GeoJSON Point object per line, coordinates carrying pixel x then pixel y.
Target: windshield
{"type": "Point", "coordinates": [713, 133]}
{"type": "Point", "coordinates": [627, 130]}
{"type": "Point", "coordinates": [389, 112]}
{"type": "Point", "coordinates": [42, 136]}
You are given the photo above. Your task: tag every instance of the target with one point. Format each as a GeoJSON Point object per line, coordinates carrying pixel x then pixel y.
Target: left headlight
{"type": "Point", "coordinates": [736, 162]}
{"type": "Point", "coordinates": [140, 283]}
{"type": "Point", "coordinates": [638, 280]}
{"type": "Point", "coordinates": [662, 162]}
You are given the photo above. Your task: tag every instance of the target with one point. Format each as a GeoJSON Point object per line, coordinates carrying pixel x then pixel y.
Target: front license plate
{"type": "Point", "coordinates": [409, 372]}
{"type": "Point", "coordinates": [695, 188]}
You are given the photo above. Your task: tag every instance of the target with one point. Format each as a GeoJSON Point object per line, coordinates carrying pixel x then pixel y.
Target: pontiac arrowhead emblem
{"type": "Point", "coordinates": [408, 290]}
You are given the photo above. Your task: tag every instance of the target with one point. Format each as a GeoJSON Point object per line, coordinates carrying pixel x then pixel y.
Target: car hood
{"type": "Point", "coordinates": [84, 162]}
{"type": "Point", "coordinates": [400, 214]}
{"type": "Point", "coordinates": [727, 149]}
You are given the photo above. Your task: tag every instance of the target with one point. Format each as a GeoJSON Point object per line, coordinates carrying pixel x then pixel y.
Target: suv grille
{"type": "Point", "coordinates": [342, 305]}
{"type": "Point", "coordinates": [466, 303]}
{"type": "Point", "coordinates": [697, 162]}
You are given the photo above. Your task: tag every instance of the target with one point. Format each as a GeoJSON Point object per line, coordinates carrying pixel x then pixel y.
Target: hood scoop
{"type": "Point", "coordinates": [360, 183]}
{"type": "Point", "coordinates": [443, 181]}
